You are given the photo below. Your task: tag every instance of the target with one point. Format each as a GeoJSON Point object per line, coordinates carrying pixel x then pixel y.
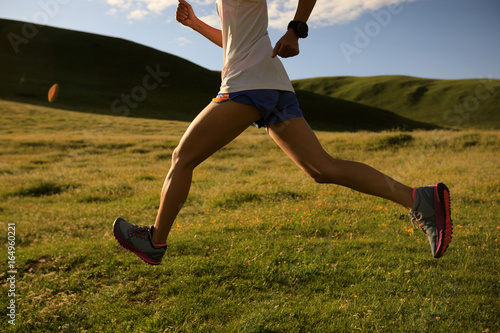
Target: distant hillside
{"type": "Point", "coordinates": [473, 103]}
{"type": "Point", "coordinates": [108, 75]}
{"type": "Point", "coordinates": [101, 74]}
{"type": "Point", "coordinates": [334, 114]}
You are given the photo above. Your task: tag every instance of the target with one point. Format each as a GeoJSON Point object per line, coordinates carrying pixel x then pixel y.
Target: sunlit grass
{"type": "Point", "coordinates": [258, 247]}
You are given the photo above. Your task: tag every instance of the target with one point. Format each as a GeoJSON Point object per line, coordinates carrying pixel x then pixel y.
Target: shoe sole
{"type": "Point", "coordinates": [444, 226]}
{"type": "Point", "coordinates": [132, 248]}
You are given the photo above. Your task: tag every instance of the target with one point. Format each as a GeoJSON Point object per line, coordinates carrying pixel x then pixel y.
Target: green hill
{"type": "Point", "coordinates": [108, 75]}
{"type": "Point", "coordinates": [334, 114]}
{"type": "Point", "coordinates": [97, 73]}
{"type": "Point", "coordinates": [473, 103]}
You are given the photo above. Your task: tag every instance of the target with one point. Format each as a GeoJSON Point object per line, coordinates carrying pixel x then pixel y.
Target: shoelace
{"type": "Point", "coordinates": [415, 218]}
{"type": "Point", "coordinates": [139, 231]}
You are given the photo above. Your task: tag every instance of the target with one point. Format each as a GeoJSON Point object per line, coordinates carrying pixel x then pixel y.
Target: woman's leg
{"type": "Point", "coordinates": [216, 126]}
{"type": "Point", "coordinates": [299, 142]}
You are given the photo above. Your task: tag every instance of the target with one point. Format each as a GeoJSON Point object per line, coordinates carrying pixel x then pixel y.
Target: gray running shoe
{"type": "Point", "coordinates": [432, 211]}
{"type": "Point", "coordinates": [138, 239]}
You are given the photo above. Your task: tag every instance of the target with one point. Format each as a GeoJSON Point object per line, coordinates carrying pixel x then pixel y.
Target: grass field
{"type": "Point", "coordinates": [258, 247]}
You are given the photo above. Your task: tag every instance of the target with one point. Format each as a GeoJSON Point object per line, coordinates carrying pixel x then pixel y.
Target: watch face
{"type": "Point", "coordinates": [302, 29]}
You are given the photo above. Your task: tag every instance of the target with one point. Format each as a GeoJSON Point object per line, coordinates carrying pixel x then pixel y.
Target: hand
{"type": "Point", "coordinates": [185, 14]}
{"type": "Point", "coordinates": [287, 46]}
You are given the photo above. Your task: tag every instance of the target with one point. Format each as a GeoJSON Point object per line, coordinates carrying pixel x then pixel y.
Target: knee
{"type": "Point", "coordinates": [176, 156]}
{"type": "Point", "coordinates": [318, 176]}
{"type": "Point", "coordinates": [321, 178]}
{"type": "Point", "coordinates": [324, 173]}
{"type": "Point", "coordinates": [182, 159]}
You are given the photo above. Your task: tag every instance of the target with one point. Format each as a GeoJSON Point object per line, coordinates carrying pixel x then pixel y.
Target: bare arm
{"type": "Point", "coordinates": [288, 45]}
{"type": "Point", "coordinates": [304, 9]}
{"type": "Point", "coordinates": [185, 15]}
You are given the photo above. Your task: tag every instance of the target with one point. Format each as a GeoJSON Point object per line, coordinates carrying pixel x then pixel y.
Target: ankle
{"type": "Point", "coordinates": [160, 245]}
{"type": "Point", "coordinates": [408, 198]}
{"type": "Point", "coordinates": [155, 237]}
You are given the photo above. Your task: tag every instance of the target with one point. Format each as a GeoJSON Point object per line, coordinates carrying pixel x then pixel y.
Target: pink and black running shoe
{"type": "Point", "coordinates": [138, 239]}
{"type": "Point", "coordinates": [432, 212]}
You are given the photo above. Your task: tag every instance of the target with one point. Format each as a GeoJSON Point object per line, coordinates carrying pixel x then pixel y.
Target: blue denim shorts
{"type": "Point", "coordinates": [275, 106]}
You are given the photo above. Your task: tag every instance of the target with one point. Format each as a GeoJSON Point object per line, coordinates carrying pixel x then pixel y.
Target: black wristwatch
{"type": "Point", "coordinates": [300, 28]}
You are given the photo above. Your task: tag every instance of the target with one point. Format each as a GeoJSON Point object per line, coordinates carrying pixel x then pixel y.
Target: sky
{"type": "Point", "coordinates": [442, 39]}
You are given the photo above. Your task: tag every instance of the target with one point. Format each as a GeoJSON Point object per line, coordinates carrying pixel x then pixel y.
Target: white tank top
{"type": "Point", "coordinates": [247, 48]}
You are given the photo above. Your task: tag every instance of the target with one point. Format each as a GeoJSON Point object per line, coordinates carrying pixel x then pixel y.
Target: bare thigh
{"type": "Point", "coordinates": [296, 138]}
{"type": "Point", "coordinates": [217, 125]}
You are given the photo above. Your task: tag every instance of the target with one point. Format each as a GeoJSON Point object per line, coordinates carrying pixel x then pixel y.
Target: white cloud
{"type": "Point", "coordinates": [157, 6]}
{"type": "Point", "coordinates": [183, 41]}
{"type": "Point", "coordinates": [139, 9]}
{"type": "Point", "coordinates": [119, 4]}
{"type": "Point", "coordinates": [111, 11]}
{"type": "Point", "coordinates": [137, 14]}
{"type": "Point", "coordinates": [115, 2]}
{"type": "Point", "coordinates": [212, 19]}
{"type": "Point", "coordinates": [325, 13]}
